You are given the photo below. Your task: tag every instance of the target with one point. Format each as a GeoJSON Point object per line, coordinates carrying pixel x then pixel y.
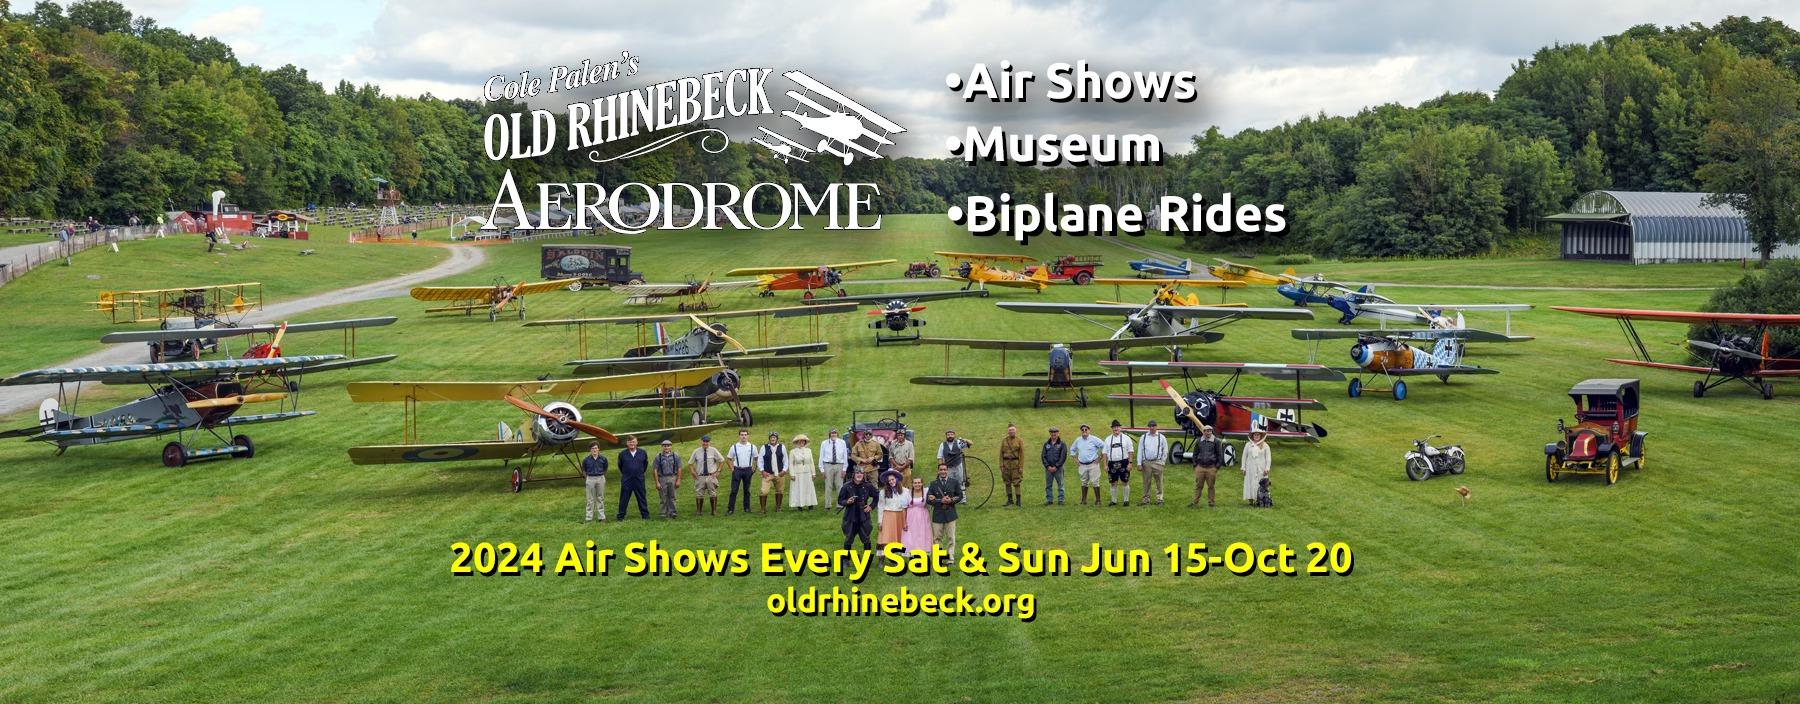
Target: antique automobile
{"type": "Point", "coordinates": [923, 270]}
{"type": "Point", "coordinates": [1604, 438]}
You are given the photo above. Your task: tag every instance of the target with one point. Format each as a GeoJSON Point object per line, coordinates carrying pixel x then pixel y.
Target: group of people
{"type": "Point", "coordinates": [869, 479]}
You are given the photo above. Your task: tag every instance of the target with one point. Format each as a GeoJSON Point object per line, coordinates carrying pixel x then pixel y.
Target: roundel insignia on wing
{"type": "Point", "coordinates": [439, 454]}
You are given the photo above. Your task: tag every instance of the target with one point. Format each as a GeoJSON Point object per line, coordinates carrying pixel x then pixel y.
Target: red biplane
{"type": "Point", "coordinates": [1729, 356]}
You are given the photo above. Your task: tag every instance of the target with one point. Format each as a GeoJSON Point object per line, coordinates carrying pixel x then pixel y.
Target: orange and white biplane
{"type": "Point", "coordinates": [493, 299]}
{"type": "Point", "coordinates": [552, 429]}
{"type": "Point", "coordinates": [1738, 348]}
{"type": "Point", "coordinates": [805, 277]}
{"type": "Point", "coordinates": [981, 270]}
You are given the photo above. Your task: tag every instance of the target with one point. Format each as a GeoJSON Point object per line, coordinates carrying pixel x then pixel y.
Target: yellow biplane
{"type": "Point", "coordinates": [494, 299]}
{"type": "Point", "coordinates": [1168, 291]}
{"type": "Point", "coordinates": [804, 277]}
{"type": "Point", "coordinates": [551, 430]}
{"type": "Point", "coordinates": [153, 305]}
{"type": "Point", "coordinates": [982, 270]}
{"type": "Point", "coordinates": [1233, 271]}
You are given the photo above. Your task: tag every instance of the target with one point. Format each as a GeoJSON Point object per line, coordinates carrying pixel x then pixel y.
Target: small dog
{"type": "Point", "coordinates": [1262, 494]}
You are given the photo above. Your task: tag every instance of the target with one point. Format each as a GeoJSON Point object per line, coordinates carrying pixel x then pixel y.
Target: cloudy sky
{"type": "Point", "coordinates": [1261, 63]}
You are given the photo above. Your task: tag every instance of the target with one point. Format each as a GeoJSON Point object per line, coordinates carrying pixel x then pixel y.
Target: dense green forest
{"type": "Point", "coordinates": [103, 113]}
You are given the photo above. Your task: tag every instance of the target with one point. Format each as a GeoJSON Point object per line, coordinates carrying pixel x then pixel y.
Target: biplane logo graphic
{"type": "Point", "coordinates": [841, 130]}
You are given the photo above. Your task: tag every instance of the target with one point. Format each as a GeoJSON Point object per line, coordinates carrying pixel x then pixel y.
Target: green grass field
{"type": "Point", "coordinates": [298, 576]}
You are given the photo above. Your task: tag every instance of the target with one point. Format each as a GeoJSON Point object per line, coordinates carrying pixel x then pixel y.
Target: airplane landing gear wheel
{"type": "Point", "coordinates": [1175, 455]}
{"type": "Point", "coordinates": [1355, 388]}
{"type": "Point", "coordinates": [518, 481]}
{"type": "Point", "coordinates": [1550, 469]}
{"type": "Point", "coordinates": [1037, 398]}
{"type": "Point", "coordinates": [1082, 396]}
{"type": "Point", "coordinates": [243, 441]}
{"type": "Point", "coordinates": [492, 316]}
{"type": "Point", "coordinates": [1399, 390]}
{"type": "Point", "coordinates": [842, 293]}
{"type": "Point", "coordinates": [807, 296]}
{"type": "Point", "coordinates": [745, 418]}
{"type": "Point", "coordinates": [174, 455]}
{"type": "Point", "coordinates": [1699, 389]}
{"type": "Point", "coordinates": [1768, 391]}
{"type": "Point", "coordinates": [698, 417]}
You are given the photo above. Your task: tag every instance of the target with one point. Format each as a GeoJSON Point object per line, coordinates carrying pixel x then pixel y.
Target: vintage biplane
{"type": "Point", "coordinates": [692, 293]}
{"type": "Point", "coordinates": [1058, 383]}
{"type": "Point", "coordinates": [1156, 268]}
{"type": "Point", "coordinates": [706, 343]}
{"type": "Point", "coordinates": [841, 130]}
{"type": "Point", "coordinates": [1737, 348]}
{"type": "Point", "coordinates": [552, 430]}
{"type": "Point", "coordinates": [492, 299]}
{"type": "Point", "coordinates": [179, 343]}
{"type": "Point", "coordinates": [1346, 299]}
{"type": "Point", "coordinates": [1159, 324]}
{"type": "Point", "coordinates": [1228, 414]}
{"type": "Point", "coordinates": [186, 399]}
{"type": "Point", "coordinates": [1168, 291]}
{"type": "Point", "coordinates": [1233, 271]}
{"type": "Point", "coordinates": [1387, 355]}
{"type": "Point", "coordinates": [897, 323]}
{"type": "Point", "coordinates": [806, 277]}
{"type": "Point", "coordinates": [206, 303]}
{"type": "Point", "coordinates": [981, 270]}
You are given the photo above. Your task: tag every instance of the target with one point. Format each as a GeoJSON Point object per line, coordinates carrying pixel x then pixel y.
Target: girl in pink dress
{"type": "Point", "coordinates": [916, 536]}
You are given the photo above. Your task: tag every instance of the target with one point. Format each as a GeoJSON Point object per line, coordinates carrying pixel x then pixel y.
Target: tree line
{"type": "Point", "coordinates": [107, 114]}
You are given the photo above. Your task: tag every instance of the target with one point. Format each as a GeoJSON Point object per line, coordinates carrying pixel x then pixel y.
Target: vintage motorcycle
{"type": "Point", "coordinates": [1427, 460]}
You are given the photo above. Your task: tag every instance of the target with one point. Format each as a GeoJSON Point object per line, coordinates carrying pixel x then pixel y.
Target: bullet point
{"type": "Point", "coordinates": [954, 144]}
{"type": "Point", "coordinates": [956, 213]}
{"type": "Point", "coordinates": [954, 81]}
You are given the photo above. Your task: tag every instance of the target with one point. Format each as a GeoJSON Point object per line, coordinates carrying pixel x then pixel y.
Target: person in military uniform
{"type": "Point", "coordinates": [857, 498]}
{"type": "Point", "coordinates": [868, 454]}
{"type": "Point", "coordinates": [1012, 465]}
{"type": "Point", "coordinates": [943, 495]}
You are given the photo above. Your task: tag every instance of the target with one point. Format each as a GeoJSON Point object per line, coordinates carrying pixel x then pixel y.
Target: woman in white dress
{"type": "Point", "coordinates": [803, 495]}
{"type": "Point", "coordinates": [1255, 463]}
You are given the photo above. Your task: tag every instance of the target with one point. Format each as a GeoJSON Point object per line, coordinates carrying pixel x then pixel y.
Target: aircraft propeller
{"type": "Point", "coordinates": [716, 331]}
{"type": "Point", "coordinates": [537, 410]}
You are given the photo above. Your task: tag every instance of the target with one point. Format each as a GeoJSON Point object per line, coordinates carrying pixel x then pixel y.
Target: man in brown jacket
{"type": "Point", "coordinates": [1012, 465]}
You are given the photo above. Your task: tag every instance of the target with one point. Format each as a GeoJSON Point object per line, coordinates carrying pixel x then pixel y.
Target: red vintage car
{"type": "Point", "coordinates": [1604, 438]}
{"type": "Point", "coordinates": [1074, 268]}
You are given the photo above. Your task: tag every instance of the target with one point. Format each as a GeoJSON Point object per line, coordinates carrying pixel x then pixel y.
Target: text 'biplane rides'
{"type": "Point", "coordinates": [493, 299]}
{"type": "Point", "coordinates": [186, 398]}
{"type": "Point", "coordinates": [1387, 354]}
{"type": "Point", "coordinates": [1735, 346]}
{"type": "Point", "coordinates": [804, 277]}
{"type": "Point", "coordinates": [176, 343]}
{"type": "Point", "coordinates": [552, 429]}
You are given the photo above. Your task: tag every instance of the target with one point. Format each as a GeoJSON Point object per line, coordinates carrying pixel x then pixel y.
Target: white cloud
{"type": "Point", "coordinates": [238, 22]}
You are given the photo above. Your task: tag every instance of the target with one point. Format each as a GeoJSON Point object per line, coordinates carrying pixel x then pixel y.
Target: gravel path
{"type": "Point", "coordinates": [462, 258]}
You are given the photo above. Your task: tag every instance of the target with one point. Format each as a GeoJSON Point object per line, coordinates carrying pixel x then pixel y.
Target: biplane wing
{"type": "Point", "coordinates": [1178, 312]}
{"type": "Point", "coordinates": [1468, 334]}
{"type": "Point", "coordinates": [1689, 317]}
{"type": "Point", "coordinates": [1038, 381]}
{"type": "Point", "coordinates": [1458, 370]}
{"type": "Point", "coordinates": [1692, 369]}
{"type": "Point", "coordinates": [1278, 372]}
{"type": "Point", "coordinates": [848, 266]}
{"type": "Point", "coordinates": [639, 364]}
{"type": "Point", "coordinates": [981, 257]}
{"type": "Point", "coordinates": [1417, 307]}
{"type": "Point", "coordinates": [658, 400]}
{"type": "Point", "coordinates": [165, 372]}
{"type": "Point", "coordinates": [420, 391]}
{"type": "Point", "coordinates": [910, 297]}
{"type": "Point", "coordinates": [1252, 402]}
{"type": "Point", "coordinates": [1076, 345]}
{"type": "Point", "coordinates": [482, 293]}
{"type": "Point", "coordinates": [672, 289]}
{"type": "Point", "coordinates": [144, 430]}
{"type": "Point", "coordinates": [1194, 283]}
{"type": "Point", "coordinates": [508, 449]}
{"type": "Point", "coordinates": [826, 308]}
{"type": "Point", "coordinates": [220, 332]}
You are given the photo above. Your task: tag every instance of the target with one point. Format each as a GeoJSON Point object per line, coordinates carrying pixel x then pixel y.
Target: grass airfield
{"type": "Point", "coordinates": [298, 576]}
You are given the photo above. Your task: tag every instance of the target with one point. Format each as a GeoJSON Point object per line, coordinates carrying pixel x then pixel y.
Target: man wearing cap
{"type": "Point", "coordinates": [1012, 465]}
{"type": "Point", "coordinates": [1209, 453]}
{"type": "Point", "coordinates": [900, 456]}
{"type": "Point", "coordinates": [868, 454]}
{"type": "Point", "coordinates": [1088, 450]}
{"type": "Point", "coordinates": [834, 455]}
{"type": "Point", "coordinates": [1118, 463]}
{"type": "Point", "coordinates": [857, 500]}
{"type": "Point", "coordinates": [593, 467]}
{"type": "Point", "coordinates": [1054, 455]}
{"type": "Point", "coordinates": [632, 463]}
{"type": "Point", "coordinates": [1153, 452]}
{"type": "Point", "coordinates": [705, 463]}
{"type": "Point", "coordinates": [667, 466]}
{"type": "Point", "coordinates": [743, 466]}
{"type": "Point", "coordinates": [942, 496]}
{"type": "Point", "coordinates": [773, 463]}
{"type": "Point", "coordinates": [950, 454]}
